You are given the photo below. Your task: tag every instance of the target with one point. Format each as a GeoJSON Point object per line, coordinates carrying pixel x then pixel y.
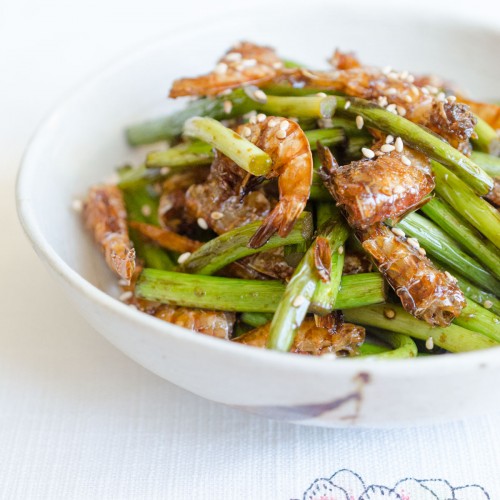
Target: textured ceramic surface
{"type": "Point", "coordinates": [82, 141]}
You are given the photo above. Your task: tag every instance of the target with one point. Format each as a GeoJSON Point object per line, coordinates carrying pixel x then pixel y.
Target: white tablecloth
{"type": "Point", "coordinates": [79, 420]}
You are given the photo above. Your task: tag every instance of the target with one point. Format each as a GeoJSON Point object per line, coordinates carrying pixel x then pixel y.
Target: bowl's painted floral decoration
{"type": "Point", "coordinates": [347, 485]}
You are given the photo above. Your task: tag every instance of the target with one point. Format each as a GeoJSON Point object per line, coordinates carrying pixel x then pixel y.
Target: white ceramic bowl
{"type": "Point", "coordinates": [82, 141]}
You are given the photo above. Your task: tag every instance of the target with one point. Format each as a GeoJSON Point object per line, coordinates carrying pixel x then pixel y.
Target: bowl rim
{"type": "Point", "coordinates": [26, 183]}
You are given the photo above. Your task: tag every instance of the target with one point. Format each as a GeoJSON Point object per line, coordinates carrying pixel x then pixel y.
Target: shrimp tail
{"type": "Point", "coordinates": [280, 220]}
{"type": "Point", "coordinates": [328, 163]}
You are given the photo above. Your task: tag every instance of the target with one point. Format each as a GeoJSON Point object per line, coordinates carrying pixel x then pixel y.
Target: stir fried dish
{"type": "Point", "coordinates": [350, 211]}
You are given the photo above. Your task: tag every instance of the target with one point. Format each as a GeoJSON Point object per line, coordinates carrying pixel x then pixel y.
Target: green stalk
{"type": "Point", "coordinates": [191, 154]}
{"type": "Point", "coordinates": [438, 244]}
{"type": "Point", "coordinates": [478, 212]}
{"type": "Point", "coordinates": [231, 294]}
{"type": "Point", "coordinates": [418, 138]}
{"type": "Point", "coordinates": [462, 232]}
{"type": "Point", "coordinates": [244, 153]}
{"type": "Point", "coordinates": [489, 163]}
{"type": "Point", "coordinates": [167, 128]}
{"type": "Point", "coordinates": [487, 138]}
{"type": "Point", "coordinates": [403, 345]}
{"type": "Point", "coordinates": [300, 107]}
{"type": "Point", "coordinates": [300, 294]}
{"type": "Point", "coordinates": [453, 338]}
{"type": "Point", "coordinates": [327, 136]}
{"type": "Point", "coordinates": [369, 349]}
{"type": "Point", "coordinates": [478, 319]}
{"type": "Point", "coordinates": [233, 245]}
{"type": "Point", "coordinates": [336, 231]}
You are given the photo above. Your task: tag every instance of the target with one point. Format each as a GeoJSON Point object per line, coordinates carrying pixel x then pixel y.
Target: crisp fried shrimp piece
{"type": "Point", "coordinates": [342, 339]}
{"type": "Point", "coordinates": [371, 191]}
{"type": "Point", "coordinates": [244, 64]}
{"type": "Point", "coordinates": [287, 145]}
{"type": "Point", "coordinates": [105, 215]}
{"type": "Point", "coordinates": [425, 292]}
{"type": "Point", "coordinates": [344, 60]}
{"type": "Point", "coordinates": [214, 323]}
{"type": "Point", "coordinates": [490, 113]}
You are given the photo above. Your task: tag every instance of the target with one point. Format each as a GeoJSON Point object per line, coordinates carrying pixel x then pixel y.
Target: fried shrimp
{"type": "Point", "coordinates": [335, 337]}
{"type": "Point", "coordinates": [425, 292]}
{"type": "Point", "coordinates": [244, 64]}
{"type": "Point", "coordinates": [387, 186]}
{"type": "Point", "coordinates": [214, 323]}
{"type": "Point", "coordinates": [105, 215]}
{"type": "Point", "coordinates": [287, 145]}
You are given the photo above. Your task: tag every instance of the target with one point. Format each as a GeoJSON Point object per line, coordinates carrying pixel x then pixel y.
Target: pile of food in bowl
{"type": "Point", "coordinates": [343, 212]}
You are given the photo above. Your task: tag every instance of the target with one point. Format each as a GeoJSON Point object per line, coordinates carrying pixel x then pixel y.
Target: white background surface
{"type": "Point", "coordinates": [77, 418]}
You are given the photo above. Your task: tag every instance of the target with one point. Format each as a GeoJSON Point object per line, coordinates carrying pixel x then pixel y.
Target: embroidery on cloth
{"type": "Point", "coordinates": [348, 485]}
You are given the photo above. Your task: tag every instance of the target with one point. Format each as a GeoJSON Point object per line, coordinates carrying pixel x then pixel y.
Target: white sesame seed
{"type": "Point", "coordinates": [391, 90]}
{"type": "Point", "coordinates": [216, 215]}
{"type": "Point", "coordinates": [406, 160]}
{"type": "Point", "coordinates": [298, 301]}
{"type": "Point", "coordinates": [260, 96]}
{"type": "Point", "coordinates": [284, 125]}
{"type": "Point", "coordinates": [347, 105]}
{"type": "Point", "coordinates": [164, 170]}
{"type": "Point", "coordinates": [410, 79]}
{"type": "Point", "coordinates": [404, 74]}
{"type": "Point", "coordinates": [228, 106]}
{"type": "Point", "coordinates": [248, 63]}
{"type": "Point", "coordinates": [398, 189]}
{"type": "Point", "coordinates": [401, 110]}
{"type": "Point", "coordinates": [408, 98]}
{"type": "Point", "coordinates": [77, 205]}
{"type": "Point", "coordinates": [393, 75]}
{"type": "Point", "coordinates": [440, 97]}
{"type": "Point", "coordinates": [359, 122]}
{"type": "Point", "coordinates": [415, 90]}
{"type": "Point", "coordinates": [425, 90]}
{"type": "Point", "coordinates": [451, 98]}
{"type": "Point", "coordinates": [432, 89]}
{"type": "Point", "coordinates": [422, 252]}
{"type": "Point", "coordinates": [146, 210]}
{"type": "Point", "coordinates": [389, 139]}
{"type": "Point", "coordinates": [389, 313]}
{"type": "Point", "coordinates": [126, 296]}
{"type": "Point", "coordinates": [398, 232]}
{"type": "Point", "coordinates": [246, 132]}
{"type": "Point", "coordinates": [261, 117]}
{"type": "Point", "coordinates": [386, 70]}
{"type": "Point", "coordinates": [183, 257]}
{"type": "Point", "coordinates": [387, 148]}
{"type": "Point", "coordinates": [253, 120]}
{"type": "Point", "coordinates": [341, 250]}
{"type": "Point", "coordinates": [445, 177]}
{"type": "Point", "coordinates": [413, 242]}
{"type": "Point", "coordinates": [391, 108]}
{"type": "Point", "coordinates": [382, 101]}
{"type": "Point", "coordinates": [281, 134]}
{"type": "Point", "coordinates": [321, 94]}
{"type": "Point", "coordinates": [368, 153]}
{"type": "Point", "coordinates": [233, 57]}
{"type": "Point", "coordinates": [487, 304]}
{"type": "Point", "coordinates": [450, 277]}
{"type": "Point", "coordinates": [202, 223]}
{"type": "Point", "coordinates": [221, 68]}
{"type": "Point", "coordinates": [272, 123]}
{"type": "Point", "coordinates": [277, 65]}
{"type": "Point", "coordinates": [399, 145]}
{"type": "Point", "coordinates": [429, 343]}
